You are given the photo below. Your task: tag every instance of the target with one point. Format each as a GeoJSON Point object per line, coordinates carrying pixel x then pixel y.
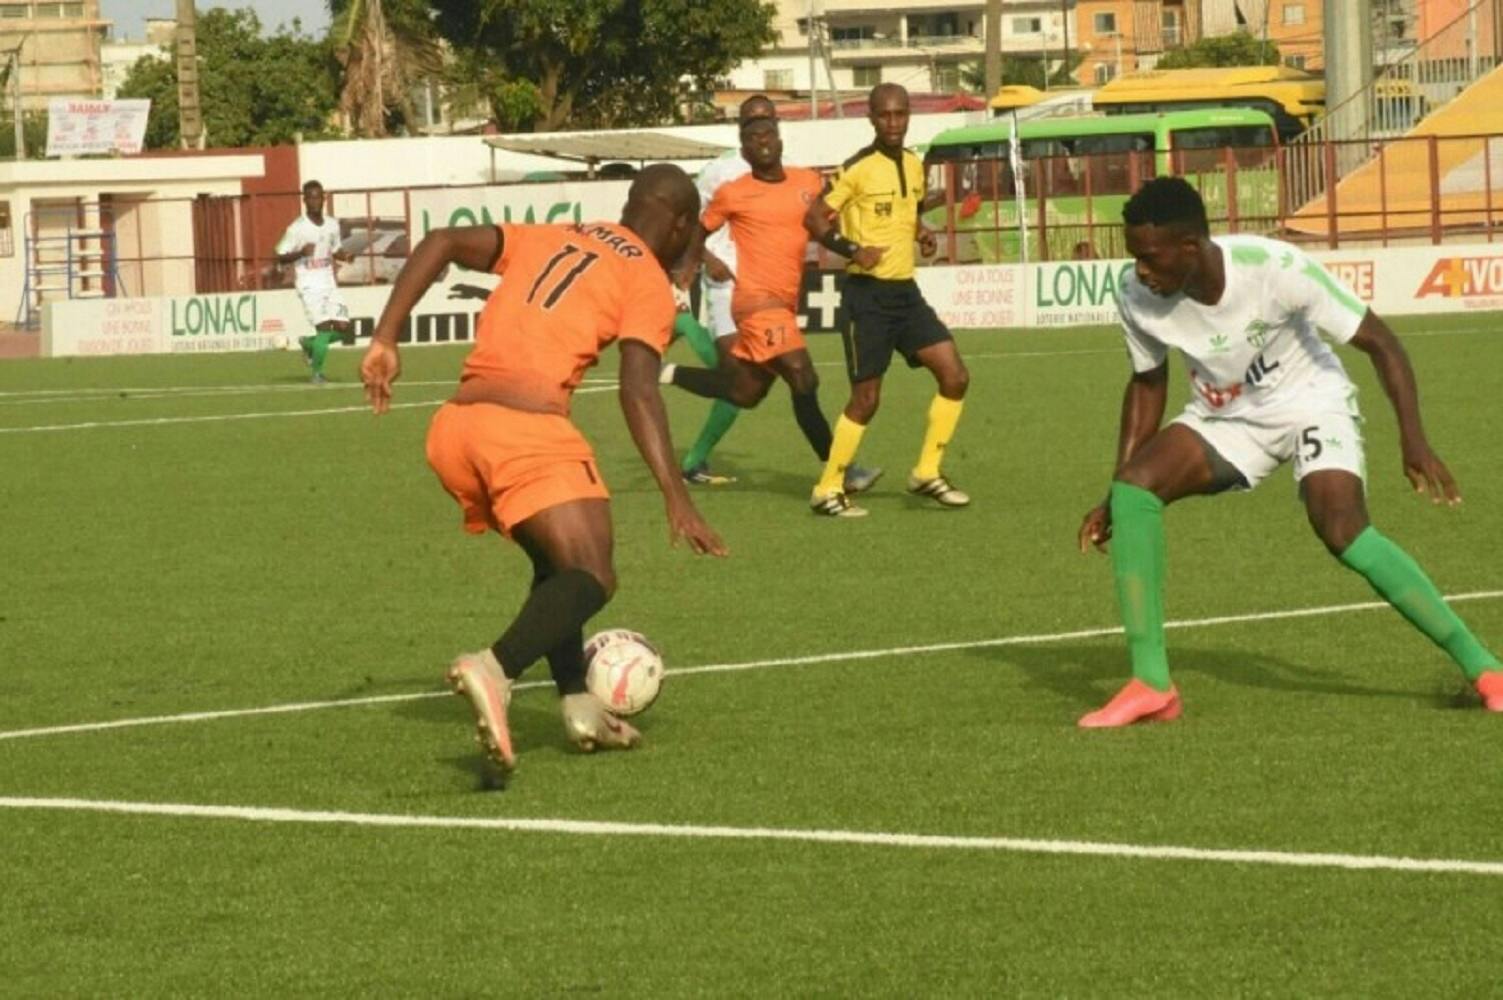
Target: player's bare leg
{"type": "Point", "coordinates": [1174, 463]}
{"type": "Point", "coordinates": [1337, 509]}
{"type": "Point", "coordinates": [952, 379]}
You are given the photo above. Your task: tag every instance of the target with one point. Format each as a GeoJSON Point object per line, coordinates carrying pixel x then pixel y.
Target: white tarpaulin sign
{"type": "Point", "coordinates": [77, 127]}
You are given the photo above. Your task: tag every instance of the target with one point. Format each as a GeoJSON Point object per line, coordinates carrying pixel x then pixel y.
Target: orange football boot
{"type": "Point", "coordinates": [1490, 686]}
{"type": "Point", "coordinates": [1137, 702]}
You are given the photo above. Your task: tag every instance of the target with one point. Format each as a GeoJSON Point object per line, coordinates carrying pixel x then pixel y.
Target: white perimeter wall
{"type": "Point", "coordinates": [1393, 281]}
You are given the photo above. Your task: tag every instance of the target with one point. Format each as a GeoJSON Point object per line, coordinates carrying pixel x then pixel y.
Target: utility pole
{"type": "Point", "coordinates": [189, 114]}
{"type": "Point", "coordinates": [813, 80]}
{"type": "Point", "coordinates": [993, 48]}
{"type": "Point", "coordinates": [14, 70]}
{"type": "Point", "coordinates": [1064, 15]}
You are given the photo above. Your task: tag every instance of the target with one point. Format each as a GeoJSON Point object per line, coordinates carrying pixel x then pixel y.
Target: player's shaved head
{"type": "Point", "coordinates": [755, 107]}
{"type": "Point", "coordinates": [667, 185]}
{"type": "Point", "coordinates": [885, 95]}
{"type": "Point", "coordinates": [662, 207]}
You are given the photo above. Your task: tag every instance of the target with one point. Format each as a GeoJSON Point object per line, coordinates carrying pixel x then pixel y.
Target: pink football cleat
{"type": "Point", "coordinates": [1137, 702]}
{"type": "Point", "coordinates": [1490, 687]}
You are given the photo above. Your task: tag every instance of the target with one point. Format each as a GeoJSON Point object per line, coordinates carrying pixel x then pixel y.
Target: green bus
{"type": "Point", "coordinates": [1075, 173]}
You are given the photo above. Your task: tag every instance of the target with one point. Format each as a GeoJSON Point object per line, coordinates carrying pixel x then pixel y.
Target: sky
{"type": "Point", "coordinates": [130, 15]}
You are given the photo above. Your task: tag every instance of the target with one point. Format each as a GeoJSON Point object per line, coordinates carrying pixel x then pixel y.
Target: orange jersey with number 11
{"type": "Point", "coordinates": [566, 293]}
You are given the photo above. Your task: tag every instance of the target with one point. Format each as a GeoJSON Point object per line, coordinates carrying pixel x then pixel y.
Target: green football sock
{"type": "Point", "coordinates": [699, 338]}
{"type": "Point", "coordinates": [1138, 563]}
{"type": "Point", "coordinates": [722, 415]}
{"type": "Point", "coordinates": [1399, 580]}
{"type": "Point", "coordinates": [322, 338]}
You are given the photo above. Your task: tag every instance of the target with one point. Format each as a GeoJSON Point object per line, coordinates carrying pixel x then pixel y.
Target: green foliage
{"type": "Point", "coordinates": [1236, 49]}
{"type": "Point", "coordinates": [385, 48]}
{"type": "Point", "coordinates": [34, 133]}
{"type": "Point", "coordinates": [600, 62]}
{"type": "Point", "coordinates": [254, 90]}
{"type": "Point", "coordinates": [1017, 70]}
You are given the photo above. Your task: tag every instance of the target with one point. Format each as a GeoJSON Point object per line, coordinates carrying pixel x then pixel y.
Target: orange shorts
{"type": "Point", "coordinates": [766, 334]}
{"type": "Point", "coordinates": [504, 465]}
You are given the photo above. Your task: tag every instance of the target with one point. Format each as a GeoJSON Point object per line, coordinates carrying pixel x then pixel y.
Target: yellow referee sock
{"type": "Point", "coordinates": [944, 414]}
{"type": "Point", "coordinates": [842, 453]}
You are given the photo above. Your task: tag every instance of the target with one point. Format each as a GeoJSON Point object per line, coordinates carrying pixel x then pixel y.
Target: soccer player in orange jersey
{"type": "Point", "coordinates": [765, 209]}
{"type": "Point", "coordinates": [504, 446]}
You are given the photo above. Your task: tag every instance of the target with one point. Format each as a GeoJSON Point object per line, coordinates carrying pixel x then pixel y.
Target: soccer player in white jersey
{"type": "Point", "coordinates": [311, 245]}
{"type": "Point", "coordinates": [1243, 312]}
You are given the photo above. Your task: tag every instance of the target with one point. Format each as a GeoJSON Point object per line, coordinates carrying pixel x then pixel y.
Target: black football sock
{"type": "Point", "coordinates": [566, 660]}
{"type": "Point", "coordinates": [555, 612]}
{"type": "Point", "coordinates": [710, 383]}
{"type": "Point", "coordinates": [811, 420]}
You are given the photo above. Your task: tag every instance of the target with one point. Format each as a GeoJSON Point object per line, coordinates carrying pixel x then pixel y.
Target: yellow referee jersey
{"type": "Point", "coordinates": [878, 198]}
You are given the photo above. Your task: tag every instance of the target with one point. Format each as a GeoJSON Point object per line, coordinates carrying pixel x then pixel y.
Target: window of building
{"type": "Point", "coordinates": [777, 79]}
{"type": "Point", "coordinates": [1294, 13]}
{"type": "Point", "coordinates": [946, 77]}
{"type": "Point", "coordinates": [1105, 73]}
{"type": "Point", "coordinates": [73, 10]}
{"type": "Point", "coordinates": [852, 35]}
{"type": "Point", "coordinates": [1295, 62]}
{"type": "Point", "coordinates": [7, 246]}
{"type": "Point", "coordinates": [1105, 24]}
{"type": "Point", "coordinates": [1027, 25]}
{"type": "Point", "coordinates": [866, 76]}
{"type": "Point", "coordinates": [49, 10]}
{"type": "Point", "coordinates": [15, 11]}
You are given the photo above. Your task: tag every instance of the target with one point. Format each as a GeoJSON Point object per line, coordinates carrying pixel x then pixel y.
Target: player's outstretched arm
{"type": "Point", "coordinates": [1143, 404]}
{"type": "Point", "coordinates": [1424, 469]}
{"type": "Point", "coordinates": [475, 247]}
{"type": "Point", "coordinates": [642, 404]}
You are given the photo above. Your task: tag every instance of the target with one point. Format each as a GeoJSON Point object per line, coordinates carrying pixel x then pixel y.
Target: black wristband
{"type": "Point", "coordinates": [834, 240]}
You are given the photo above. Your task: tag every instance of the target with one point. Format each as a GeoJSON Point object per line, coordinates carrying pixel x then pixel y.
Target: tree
{"type": "Point", "coordinates": [255, 91]}
{"type": "Point", "coordinates": [1237, 49]}
{"type": "Point", "coordinates": [1017, 70]}
{"type": "Point", "coordinates": [551, 63]}
{"type": "Point", "coordinates": [386, 48]}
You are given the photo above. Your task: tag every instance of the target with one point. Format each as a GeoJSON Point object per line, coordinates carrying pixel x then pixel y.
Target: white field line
{"type": "Point", "coordinates": [263, 415]}
{"type": "Point", "coordinates": [917, 841]}
{"type": "Point", "coordinates": [722, 668]}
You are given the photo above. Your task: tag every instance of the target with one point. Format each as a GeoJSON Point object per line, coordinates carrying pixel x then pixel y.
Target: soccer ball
{"type": "Point", "coordinates": [623, 670]}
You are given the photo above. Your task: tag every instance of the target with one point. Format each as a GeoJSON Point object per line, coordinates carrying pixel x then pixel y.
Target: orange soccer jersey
{"type": "Point", "coordinates": [566, 293]}
{"type": "Point", "coordinates": [767, 224]}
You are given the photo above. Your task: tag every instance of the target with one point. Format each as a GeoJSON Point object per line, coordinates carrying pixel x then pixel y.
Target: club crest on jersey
{"type": "Point", "coordinates": [1257, 333]}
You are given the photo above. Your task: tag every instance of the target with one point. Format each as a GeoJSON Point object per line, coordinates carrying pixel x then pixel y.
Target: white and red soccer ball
{"type": "Point", "coordinates": [623, 670]}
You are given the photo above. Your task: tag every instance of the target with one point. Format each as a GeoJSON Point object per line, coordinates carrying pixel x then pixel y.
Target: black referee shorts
{"type": "Point", "coordinates": [882, 317]}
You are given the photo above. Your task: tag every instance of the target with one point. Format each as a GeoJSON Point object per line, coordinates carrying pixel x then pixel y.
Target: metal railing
{"type": "Point", "coordinates": [1427, 76]}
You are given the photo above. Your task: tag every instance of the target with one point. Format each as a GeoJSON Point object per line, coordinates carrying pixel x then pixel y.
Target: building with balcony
{"type": "Point", "coordinates": [1121, 36]}
{"type": "Point", "coordinates": [925, 45]}
{"type": "Point", "coordinates": [59, 45]}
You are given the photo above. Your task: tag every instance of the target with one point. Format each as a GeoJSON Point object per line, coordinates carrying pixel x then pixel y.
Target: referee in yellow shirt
{"type": "Point", "coordinates": [877, 194]}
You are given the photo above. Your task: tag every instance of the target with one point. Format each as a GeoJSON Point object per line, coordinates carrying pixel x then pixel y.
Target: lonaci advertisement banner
{"type": "Point", "coordinates": [1012, 297]}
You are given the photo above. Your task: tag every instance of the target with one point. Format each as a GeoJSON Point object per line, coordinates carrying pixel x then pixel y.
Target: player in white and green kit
{"type": "Point", "coordinates": [312, 245]}
{"type": "Point", "coordinates": [1243, 312]}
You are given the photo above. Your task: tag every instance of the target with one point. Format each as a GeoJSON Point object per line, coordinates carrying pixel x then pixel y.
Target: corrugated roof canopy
{"type": "Point", "coordinates": [596, 147]}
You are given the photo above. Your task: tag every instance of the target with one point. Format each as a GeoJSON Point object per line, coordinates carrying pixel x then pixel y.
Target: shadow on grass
{"type": "Point", "coordinates": [1090, 673]}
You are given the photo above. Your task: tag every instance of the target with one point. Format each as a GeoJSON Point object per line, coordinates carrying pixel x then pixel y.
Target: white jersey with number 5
{"type": "Point", "coordinates": [1259, 347]}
